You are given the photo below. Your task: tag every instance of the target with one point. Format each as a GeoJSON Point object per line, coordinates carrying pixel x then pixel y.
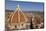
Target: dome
{"type": "Point", "coordinates": [18, 16]}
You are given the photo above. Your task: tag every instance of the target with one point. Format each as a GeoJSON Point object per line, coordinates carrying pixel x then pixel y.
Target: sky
{"type": "Point", "coordinates": [24, 6]}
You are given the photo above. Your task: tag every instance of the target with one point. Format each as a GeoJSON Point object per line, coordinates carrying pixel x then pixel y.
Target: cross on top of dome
{"type": "Point", "coordinates": [18, 8]}
{"type": "Point", "coordinates": [18, 5]}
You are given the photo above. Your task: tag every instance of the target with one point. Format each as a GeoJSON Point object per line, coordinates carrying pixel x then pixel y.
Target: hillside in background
{"type": "Point", "coordinates": [26, 11]}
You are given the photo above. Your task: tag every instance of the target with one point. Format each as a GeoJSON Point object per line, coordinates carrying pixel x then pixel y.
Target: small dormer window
{"type": "Point", "coordinates": [22, 24]}
{"type": "Point", "coordinates": [15, 26]}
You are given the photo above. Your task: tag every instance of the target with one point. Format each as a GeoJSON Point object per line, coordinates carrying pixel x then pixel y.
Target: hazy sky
{"type": "Point", "coordinates": [25, 6]}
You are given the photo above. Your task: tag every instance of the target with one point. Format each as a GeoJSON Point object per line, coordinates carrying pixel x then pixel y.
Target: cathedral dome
{"type": "Point", "coordinates": [18, 20]}
{"type": "Point", "coordinates": [18, 16]}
